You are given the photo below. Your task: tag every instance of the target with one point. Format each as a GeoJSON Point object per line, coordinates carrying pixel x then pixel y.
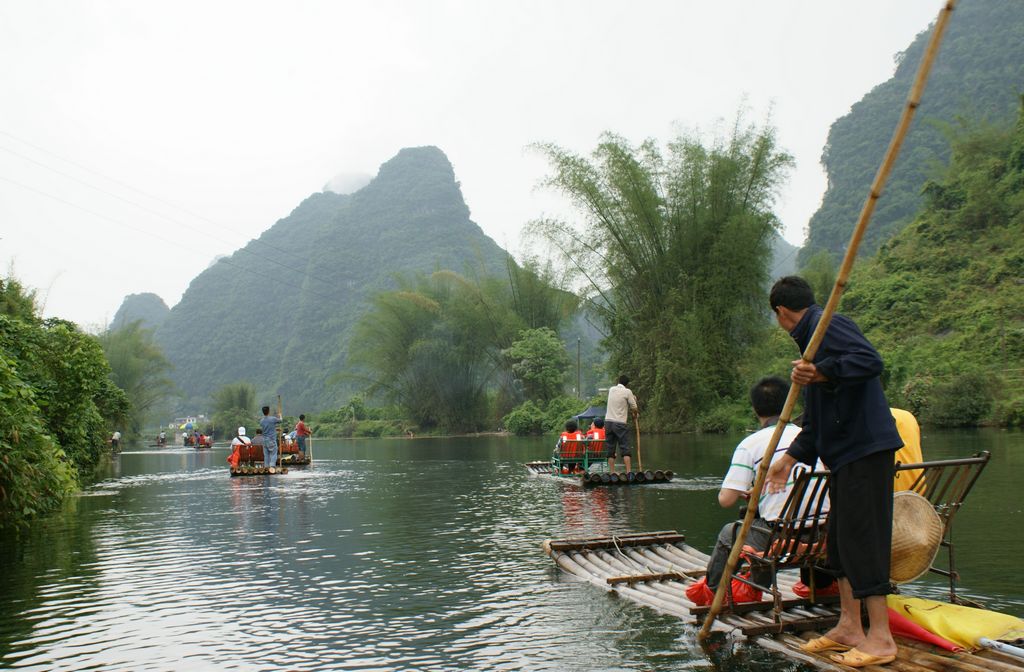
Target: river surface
{"type": "Point", "coordinates": [417, 554]}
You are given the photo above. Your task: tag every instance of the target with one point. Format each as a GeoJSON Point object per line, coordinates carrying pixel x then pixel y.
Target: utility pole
{"type": "Point", "coordinates": [579, 392]}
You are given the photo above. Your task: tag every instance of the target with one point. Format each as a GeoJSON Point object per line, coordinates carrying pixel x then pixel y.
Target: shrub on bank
{"type": "Point", "coordinates": [34, 476]}
{"type": "Point", "coordinates": [533, 418]}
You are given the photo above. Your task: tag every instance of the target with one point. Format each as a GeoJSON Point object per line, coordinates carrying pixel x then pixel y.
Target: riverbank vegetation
{"type": "Point", "coordinates": [944, 300]}
{"type": "Point", "coordinates": [57, 406]}
{"type": "Point", "coordinates": [139, 368]}
{"type": "Point", "coordinates": [446, 348]}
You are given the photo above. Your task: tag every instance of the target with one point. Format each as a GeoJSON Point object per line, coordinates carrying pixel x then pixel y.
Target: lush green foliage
{"type": "Point", "coordinates": [676, 252]}
{"type": "Point", "coordinates": [34, 477]}
{"type": "Point", "coordinates": [57, 404]}
{"type": "Point", "coordinates": [234, 406]}
{"type": "Point", "coordinates": [139, 368]}
{"type": "Point", "coordinates": [977, 74]}
{"type": "Point", "coordinates": [435, 347]}
{"type": "Point", "coordinates": [531, 417]}
{"type": "Point", "coordinates": [943, 300]}
{"type": "Point", "coordinates": [539, 361]}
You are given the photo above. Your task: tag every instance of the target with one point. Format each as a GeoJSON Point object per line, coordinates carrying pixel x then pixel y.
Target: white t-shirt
{"type": "Point", "coordinates": [620, 402]}
{"type": "Point", "coordinates": [747, 458]}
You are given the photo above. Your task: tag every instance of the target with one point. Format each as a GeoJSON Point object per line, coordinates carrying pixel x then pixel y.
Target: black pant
{"type": "Point", "coordinates": [860, 524]}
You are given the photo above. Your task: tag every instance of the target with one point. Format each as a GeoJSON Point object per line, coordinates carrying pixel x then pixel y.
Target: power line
{"type": "Point", "coordinates": [171, 241]}
{"type": "Point", "coordinates": [150, 210]}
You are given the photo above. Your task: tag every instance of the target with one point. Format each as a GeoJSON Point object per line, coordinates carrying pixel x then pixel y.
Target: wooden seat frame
{"type": "Point", "coordinates": [946, 483]}
{"type": "Point", "coordinates": [798, 538]}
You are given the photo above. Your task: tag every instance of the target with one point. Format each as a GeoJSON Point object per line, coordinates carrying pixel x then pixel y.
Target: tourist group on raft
{"type": "Point", "coordinates": [264, 446]}
{"type": "Point", "coordinates": [848, 428]}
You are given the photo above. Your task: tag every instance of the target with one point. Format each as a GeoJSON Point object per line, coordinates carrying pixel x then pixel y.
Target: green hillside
{"type": "Point", "coordinates": [944, 299]}
{"type": "Point", "coordinates": [978, 74]}
{"type": "Point", "coordinates": [147, 308]}
{"type": "Point", "coordinates": [278, 313]}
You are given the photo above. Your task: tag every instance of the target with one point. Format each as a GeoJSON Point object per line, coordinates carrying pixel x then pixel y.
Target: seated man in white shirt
{"type": "Point", "coordinates": [768, 397]}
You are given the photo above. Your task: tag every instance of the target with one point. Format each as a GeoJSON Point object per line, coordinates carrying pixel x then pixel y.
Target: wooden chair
{"type": "Point", "coordinates": [946, 483]}
{"type": "Point", "coordinates": [570, 455]}
{"type": "Point", "coordinates": [796, 538]}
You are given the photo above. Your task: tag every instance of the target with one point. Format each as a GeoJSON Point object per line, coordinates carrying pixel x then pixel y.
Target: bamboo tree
{"type": "Point", "coordinates": [674, 250]}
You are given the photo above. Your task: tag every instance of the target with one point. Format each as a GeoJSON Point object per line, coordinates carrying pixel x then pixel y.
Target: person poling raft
{"type": "Point", "coordinates": [590, 458]}
{"type": "Point", "coordinates": [246, 458]}
{"type": "Point", "coordinates": [847, 425]}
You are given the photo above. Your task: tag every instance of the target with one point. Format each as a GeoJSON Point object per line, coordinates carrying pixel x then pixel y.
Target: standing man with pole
{"type": "Point", "coordinates": [848, 425]}
{"type": "Point", "coordinates": [269, 424]}
{"type": "Point", "coordinates": [621, 402]}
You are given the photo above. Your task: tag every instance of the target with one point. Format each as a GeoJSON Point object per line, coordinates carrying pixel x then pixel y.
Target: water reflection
{"type": "Point", "coordinates": [404, 554]}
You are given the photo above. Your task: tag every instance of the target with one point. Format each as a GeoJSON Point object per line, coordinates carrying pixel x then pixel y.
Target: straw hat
{"type": "Point", "coordinates": [916, 536]}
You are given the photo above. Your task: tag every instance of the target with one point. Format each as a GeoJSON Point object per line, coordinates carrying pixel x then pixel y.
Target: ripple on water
{"type": "Point", "coordinates": [422, 564]}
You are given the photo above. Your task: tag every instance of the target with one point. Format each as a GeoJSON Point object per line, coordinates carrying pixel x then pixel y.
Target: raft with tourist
{"type": "Point", "coordinates": [290, 452]}
{"type": "Point", "coordinates": [246, 458]}
{"type": "Point", "coordinates": [582, 458]}
{"type": "Point", "coordinates": [661, 570]}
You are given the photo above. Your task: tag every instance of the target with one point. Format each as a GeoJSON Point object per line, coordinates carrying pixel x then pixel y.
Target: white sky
{"type": "Point", "coordinates": [140, 139]}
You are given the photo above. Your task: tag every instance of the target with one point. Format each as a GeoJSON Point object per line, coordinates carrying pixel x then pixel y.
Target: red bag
{"type": "Point", "coordinates": [699, 593]}
{"type": "Point", "coordinates": [741, 592]}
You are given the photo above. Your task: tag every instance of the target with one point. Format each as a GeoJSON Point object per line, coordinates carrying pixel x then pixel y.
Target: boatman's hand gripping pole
{"type": "Point", "coordinates": [913, 100]}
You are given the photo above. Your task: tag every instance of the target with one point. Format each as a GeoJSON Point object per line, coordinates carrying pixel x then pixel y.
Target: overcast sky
{"type": "Point", "coordinates": [139, 139]}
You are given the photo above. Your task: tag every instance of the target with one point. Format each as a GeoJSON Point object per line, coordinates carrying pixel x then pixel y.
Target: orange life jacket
{"type": "Point", "coordinates": [570, 445]}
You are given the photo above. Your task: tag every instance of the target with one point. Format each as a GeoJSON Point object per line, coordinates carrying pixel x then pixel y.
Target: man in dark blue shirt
{"type": "Point", "coordinates": [848, 425]}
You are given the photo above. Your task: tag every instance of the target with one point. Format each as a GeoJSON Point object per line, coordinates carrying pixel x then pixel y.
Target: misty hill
{"type": "Point", "coordinates": [978, 74]}
{"type": "Point", "coordinates": [783, 260]}
{"type": "Point", "coordinates": [147, 308]}
{"type": "Point", "coordinates": [278, 312]}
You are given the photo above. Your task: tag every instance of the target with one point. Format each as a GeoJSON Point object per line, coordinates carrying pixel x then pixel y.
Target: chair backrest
{"type": "Point", "coordinates": [798, 535]}
{"type": "Point", "coordinates": [571, 449]}
{"type": "Point", "coordinates": [595, 449]}
{"type": "Point", "coordinates": [946, 483]}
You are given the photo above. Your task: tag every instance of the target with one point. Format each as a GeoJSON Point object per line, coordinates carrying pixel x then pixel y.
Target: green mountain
{"type": "Point", "coordinates": [279, 312]}
{"type": "Point", "coordinates": [147, 308]}
{"type": "Point", "coordinates": [978, 74]}
{"type": "Point", "coordinates": [943, 300]}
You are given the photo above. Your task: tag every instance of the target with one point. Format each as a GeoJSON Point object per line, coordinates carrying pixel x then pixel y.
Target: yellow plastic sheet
{"type": "Point", "coordinates": [961, 625]}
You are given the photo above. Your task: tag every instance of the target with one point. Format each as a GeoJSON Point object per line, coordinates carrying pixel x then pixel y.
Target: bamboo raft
{"type": "Point", "coordinates": [590, 479]}
{"type": "Point", "coordinates": [653, 569]}
{"type": "Point", "coordinates": [257, 470]}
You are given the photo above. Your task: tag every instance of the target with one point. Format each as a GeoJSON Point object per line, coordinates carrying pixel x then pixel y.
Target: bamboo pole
{"type": "Point", "coordinates": [913, 101]}
{"type": "Point", "coordinates": [280, 434]}
{"type": "Point", "coordinates": [639, 458]}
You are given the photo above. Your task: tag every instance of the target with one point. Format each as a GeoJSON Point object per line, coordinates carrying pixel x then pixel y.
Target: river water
{"type": "Point", "coordinates": [417, 554]}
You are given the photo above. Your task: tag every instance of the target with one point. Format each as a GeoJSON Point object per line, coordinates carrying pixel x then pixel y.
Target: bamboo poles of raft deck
{"type": "Point", "coordinates": [913, 100]}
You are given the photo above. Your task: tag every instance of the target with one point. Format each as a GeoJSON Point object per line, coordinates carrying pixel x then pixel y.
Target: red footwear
{"type": "Point", "coordinates": [699, 593]}
{"type": "Point", "coordinates": [801, 589]}
{"type": "Point", "coordinates": [741, 592]}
